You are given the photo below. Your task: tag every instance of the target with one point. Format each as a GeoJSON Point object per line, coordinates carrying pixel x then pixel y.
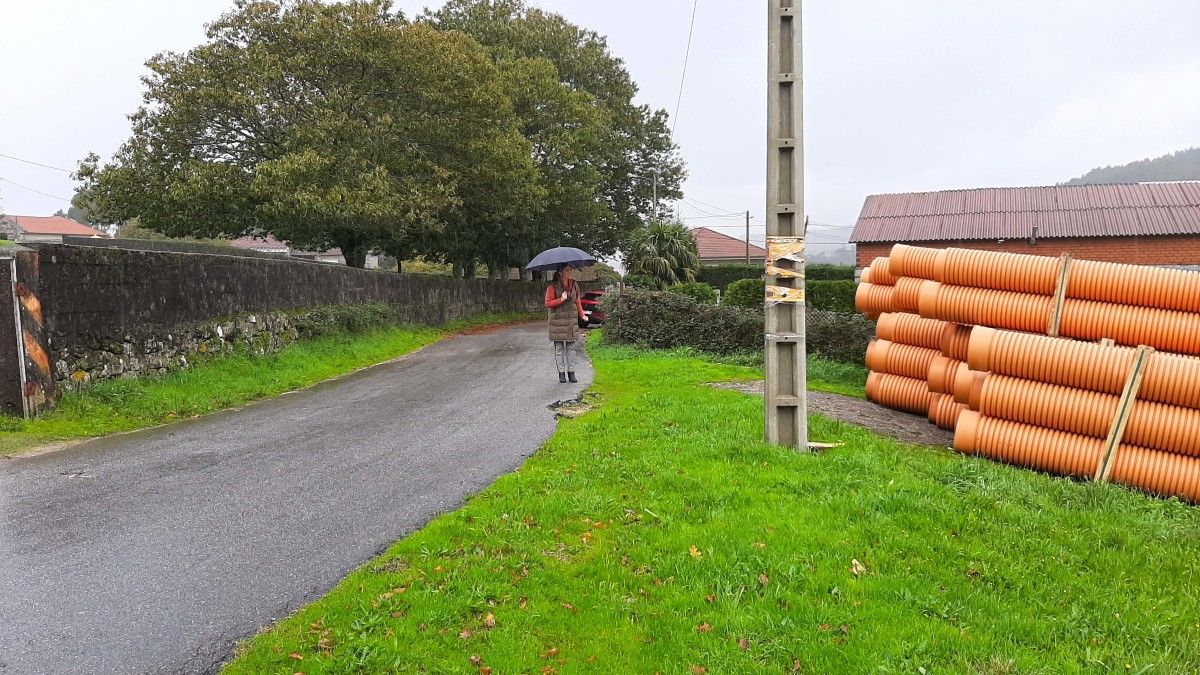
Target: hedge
{"type": "Point", "coordinates": [660, 320]}
{"type": "Point", "coordinates": [828, 272]}
{"type": "Point", "coordinates": [833, 296]}
{"type": "Point", "coordinates": [720, 276]}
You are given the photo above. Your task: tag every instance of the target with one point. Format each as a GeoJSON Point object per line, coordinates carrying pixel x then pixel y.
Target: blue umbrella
{"type": "Point", "coordinates": [551, 259]}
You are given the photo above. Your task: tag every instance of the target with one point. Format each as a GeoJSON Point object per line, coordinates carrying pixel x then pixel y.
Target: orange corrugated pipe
{"type": "Point", "coordinates": [1166, 378]}
{"type": "Point", "coordinates": [913, 261]}
{"type": "Point", "coordinates": [899, 392]}
{"type": "Point", "coordinates": [955, 338]}
{"type": "Point", "coordinates": [1164, 329]}
{"type": "Point", "coordinates": [942, 373]}
{"type": "Point", "coordinates": [1116, 283]}
{"type": "Point", "coordinates": [864, 277]}
{"type": "Point", "coordinates": [907, 297]}
{"type": "Point", "coordinates": [1068, 454]}
{"type": "Point", "coordinates": [944, 411]}
{"type": "Point", "coordinates": [873, 299]}
{"type": "Point", "coordinates": [995, 270]}
{"type": "Point", "coordinates": [1150, 424]}
{"type": "Point", "coordinates": [881, 272]}
{"type": "Point", "coordinates": [1134, 285]}
{"type": "Point", "coordinates": [985, 307]}
{"type": "Point", "coordinates": [899, 359]}
{"type": "Point", "coordinates": [967, 386]}
{"type": "Point", "coordinates": [910, 329]}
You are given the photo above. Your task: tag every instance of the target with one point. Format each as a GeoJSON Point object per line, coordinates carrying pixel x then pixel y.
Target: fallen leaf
{"type": "Point", "coordinates": [824, 628]}
{"type": "Point", "coordinates": [298, 657]}
{"type": "Point", "coordinates": [698, 670]}
{"type": "Point", "coordinates": [490, 620]}
{"type": "Point", "coordinates": [694, 552]}
{"type": "Point", "coordinates": [743, 644]}
{"type": "Point", "coordinates": [759, 545]}
{"type": "Point", "coordinates": [710, 598]}
{"type": "Point", "coordinates": [551, 653]}
{"type": "Point", "coordinates": [762, 579]}
{"type": "Point", "coordinates": [587, 536]}
{"type": "Point", "coordinates": [485, 671]}
{"type": "Point", "coordinates": [857, 568]}
{"type": "Point", "coordinates": [972, 572]}
{"type": "Point", "coordinates": [845, 629]}
{"type": "Point", "coordinates": [466, 633]}
{"type": "Point", "coordinates": [567, 605]}
{"type": "Point", "coordinates": [476, 660]}
{"type": "Point", "coordinates": [703, 628]}
{"type": "Point", "coordinates": [796, 665]}
{"type": "Point", "coordinates": [549, 670]}
{"type": "Point", "coordinates": [522, 602]}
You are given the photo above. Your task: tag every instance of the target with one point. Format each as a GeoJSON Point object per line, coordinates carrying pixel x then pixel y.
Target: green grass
{"type": "Point", "coordinates": [658, 533]}
{"type": "Point", "coordinates": [221, 382]}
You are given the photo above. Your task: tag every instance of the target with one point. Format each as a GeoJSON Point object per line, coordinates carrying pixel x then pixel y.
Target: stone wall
{"type": "Point", "coordinates": [112, 312]}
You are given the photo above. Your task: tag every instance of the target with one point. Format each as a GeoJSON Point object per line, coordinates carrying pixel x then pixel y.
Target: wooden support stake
{"type": "Point", "coordinates": [1124, 406]}
{"type": "Point", "coordinates": [1060, 295]}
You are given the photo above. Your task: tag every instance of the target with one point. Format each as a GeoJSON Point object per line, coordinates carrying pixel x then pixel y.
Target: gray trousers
{"type": "Point", "coordinates": [562, 356]}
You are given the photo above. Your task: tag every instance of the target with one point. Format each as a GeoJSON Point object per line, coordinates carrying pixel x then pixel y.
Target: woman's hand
{"type": "Point", "coordinates": [564, 296]}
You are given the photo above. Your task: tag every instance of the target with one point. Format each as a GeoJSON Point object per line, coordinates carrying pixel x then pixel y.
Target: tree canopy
{"type": "Point", "coordinates": [482, 133]}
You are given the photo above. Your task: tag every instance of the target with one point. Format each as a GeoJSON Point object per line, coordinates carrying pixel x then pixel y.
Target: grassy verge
{"type": "Point", "coordinates": [222, 382]}
{"type": "Point", "coordinates": [658, 533]}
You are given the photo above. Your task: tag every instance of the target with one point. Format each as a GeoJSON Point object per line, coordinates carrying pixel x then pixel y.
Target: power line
{"type": "Point", "coordinates": [686, 55]}
{"type": "Point", "coordinates": [44, 194]}
{"type": "Point", "coordinates": [30, 161]}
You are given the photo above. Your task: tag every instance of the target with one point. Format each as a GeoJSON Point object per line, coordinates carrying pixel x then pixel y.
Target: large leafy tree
{"type": "Point", "coordinates": [664, 251]}
{"type": "Point", "coordinates": [597, 150]}
{"type": "Point", "coordinates": [324, 125]}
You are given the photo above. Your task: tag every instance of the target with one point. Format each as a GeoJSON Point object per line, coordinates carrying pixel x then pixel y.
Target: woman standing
{"type": "Point", "coordinates": [565, 314]}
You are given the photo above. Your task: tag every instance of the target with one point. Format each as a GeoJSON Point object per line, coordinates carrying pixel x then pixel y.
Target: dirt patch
{"type": "Point", "coordinates": [883, 421]}
{"type": "Point", "coordinates": [571, 407]}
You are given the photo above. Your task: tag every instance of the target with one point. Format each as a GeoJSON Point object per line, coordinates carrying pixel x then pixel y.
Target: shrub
{"type": "Point", "coordinates": [696, 290]}
{"type": "Point", "coordinates": [720, 276]}
{"type": "Point", "coordinates": [745, 293]}
{"type": "Point", "coordinates": [668, 320]}
{"type": "Point", "coordinates": [838, 336]}
{"type": "Point", "coordinates": [643, 281]}
{"type": "Point", "coordinates": [828, 272]}
{"type": "Point", "coordinates": [832, 296]}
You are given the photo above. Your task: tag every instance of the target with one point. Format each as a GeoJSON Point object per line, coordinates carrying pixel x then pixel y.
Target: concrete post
{"type": "Point", "coordinates": [786, 378]}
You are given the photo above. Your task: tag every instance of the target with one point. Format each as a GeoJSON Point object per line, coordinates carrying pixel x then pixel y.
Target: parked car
{"type": "Point", "coordinates": [591, 308]}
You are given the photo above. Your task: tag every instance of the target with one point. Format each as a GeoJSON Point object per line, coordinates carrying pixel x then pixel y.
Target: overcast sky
{"type": "Point", "coordinates": [900, 96]}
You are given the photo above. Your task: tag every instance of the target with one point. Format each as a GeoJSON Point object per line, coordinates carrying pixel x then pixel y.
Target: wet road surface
{"type": "Point", "coordinates": [156, 551]}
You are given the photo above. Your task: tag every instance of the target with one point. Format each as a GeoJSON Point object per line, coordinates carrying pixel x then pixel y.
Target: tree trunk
{"type": "Point", "coordinates": [354, 252]}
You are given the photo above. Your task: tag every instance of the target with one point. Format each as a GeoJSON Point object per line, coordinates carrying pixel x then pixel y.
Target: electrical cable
{"type": "Point", "coordinates": [686, 55]}
{"type": "Point", "coordinates": [44, 194]}
{"type": "Point", "coordinates": [30, 161]}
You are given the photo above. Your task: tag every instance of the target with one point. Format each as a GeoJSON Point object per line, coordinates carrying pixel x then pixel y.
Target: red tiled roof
{"type": "Point", "coordinates": [54, 225]}
{"type": "Point", "coordinates": [1117, 210]}
{"type": "Point", "coordinates": [713, 245]}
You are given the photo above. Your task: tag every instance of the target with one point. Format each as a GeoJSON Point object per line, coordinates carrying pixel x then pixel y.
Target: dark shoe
{"type": "Point", "coordinates": [571, 376]}
{"type": "Point", "coordinates": [562, 377]}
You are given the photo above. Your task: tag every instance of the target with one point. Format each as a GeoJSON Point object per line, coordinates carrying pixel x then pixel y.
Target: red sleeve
{"type": "Point", "coordinates": [552, 299]}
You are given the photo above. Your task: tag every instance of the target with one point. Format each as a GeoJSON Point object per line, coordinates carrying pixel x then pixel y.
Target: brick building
{"type": "Point", "coordinates": [1139, 223]}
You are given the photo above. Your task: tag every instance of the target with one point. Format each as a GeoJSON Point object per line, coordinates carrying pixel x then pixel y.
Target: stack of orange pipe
{"type": "Point", "coordinates": [1036, 401]}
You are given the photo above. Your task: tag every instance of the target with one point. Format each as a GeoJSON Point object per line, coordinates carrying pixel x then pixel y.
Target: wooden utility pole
{"type": "Point", "coordinates": [786, 377]}
{"type": "Point", "coordinates": [747, 237]}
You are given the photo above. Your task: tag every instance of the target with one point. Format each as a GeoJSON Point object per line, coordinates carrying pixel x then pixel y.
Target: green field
{"type": "Point", "coordinates": [658, 533]}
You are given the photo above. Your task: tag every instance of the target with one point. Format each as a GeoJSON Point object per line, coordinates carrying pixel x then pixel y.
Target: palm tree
{"type": "Point", "coordinates": [665, 251]}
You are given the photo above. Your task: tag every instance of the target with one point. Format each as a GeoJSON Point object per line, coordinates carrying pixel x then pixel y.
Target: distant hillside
{"type": "Point", "coordinates": [1182, 165]}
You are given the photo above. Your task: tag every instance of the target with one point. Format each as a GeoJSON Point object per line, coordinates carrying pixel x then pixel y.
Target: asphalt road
{"type": "Point", "coordinates": [157, 551]}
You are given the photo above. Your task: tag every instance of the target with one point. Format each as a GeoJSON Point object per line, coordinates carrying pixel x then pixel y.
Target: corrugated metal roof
{"type": "Point", "coordinates": [1117, 210]}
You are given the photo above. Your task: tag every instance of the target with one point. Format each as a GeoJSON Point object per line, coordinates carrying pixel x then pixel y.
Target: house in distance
{"type": "Point", "coordinates": [44, 229]}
